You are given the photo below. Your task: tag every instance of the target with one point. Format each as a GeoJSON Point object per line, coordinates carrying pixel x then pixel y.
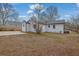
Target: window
{"type": "Point", "coordinates": [49, 26]}
{"type": "Point", "coordinates": [54, 26]}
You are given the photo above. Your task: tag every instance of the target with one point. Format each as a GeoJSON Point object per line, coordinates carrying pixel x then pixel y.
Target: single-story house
{"type": "Point", "coordinates": [55, 26]}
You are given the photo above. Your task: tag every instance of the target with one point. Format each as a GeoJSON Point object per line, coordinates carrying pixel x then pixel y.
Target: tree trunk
{"type": "Point", "coordinates": [38, 30]}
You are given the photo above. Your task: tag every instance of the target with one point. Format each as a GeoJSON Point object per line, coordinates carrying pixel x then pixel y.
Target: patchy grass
{"type": "Point", "coordinates": [40, 44]}
{"type": "Point", "coordinates": [9, 28]}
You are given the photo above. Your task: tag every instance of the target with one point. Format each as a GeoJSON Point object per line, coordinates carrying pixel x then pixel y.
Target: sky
{"type": "Point", "coordinates": [64, 9]}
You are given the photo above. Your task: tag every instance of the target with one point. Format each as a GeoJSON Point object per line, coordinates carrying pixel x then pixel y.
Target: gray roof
{"type": "Point", "coordinates": [44, 21]}
{"type": "Point", "coordinates": [49, 22]}
{"type": "Point", "coordinates": [57, 22]}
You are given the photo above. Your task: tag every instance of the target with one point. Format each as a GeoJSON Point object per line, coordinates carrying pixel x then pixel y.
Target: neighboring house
{"type": "Point", "coordinates": [56, 26]}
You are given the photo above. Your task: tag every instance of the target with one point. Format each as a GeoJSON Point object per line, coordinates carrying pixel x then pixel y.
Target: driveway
{"type": "Point", "coordinates": [3, 33]}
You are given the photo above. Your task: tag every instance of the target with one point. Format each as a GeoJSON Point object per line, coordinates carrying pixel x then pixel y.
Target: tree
{"type": "Point", "coordinates": [75, 22]}
{"type": "Point", "coordinates": [38, 8]}
{"type": "Point", "coordinates": [52, 13]}
{"type": "Point", "coordinates": [7, 11]}
{"type": "Point", "coordinates": [44, 15]}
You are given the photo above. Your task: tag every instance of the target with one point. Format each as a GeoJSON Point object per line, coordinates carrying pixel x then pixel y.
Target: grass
{"type": "Point", "coordinates": [9, 28]}
{"type": "Point", "coordinates": [44, 44]}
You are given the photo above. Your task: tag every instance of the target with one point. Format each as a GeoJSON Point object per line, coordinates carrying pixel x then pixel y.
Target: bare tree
{"type": "Point", "coordinates": [52, 13]}
{"type": "Point", "coordinates": [75, 22]}
{"type": "Point", "coordinates": [38, 8]}
{"type": "Point", "coordinates": [44, 15]}
{"type": "Point", "coordinates": [7, 11]}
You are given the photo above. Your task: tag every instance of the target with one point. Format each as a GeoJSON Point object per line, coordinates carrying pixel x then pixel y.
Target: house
{"type": "Point", "coordinates": [56, 26]}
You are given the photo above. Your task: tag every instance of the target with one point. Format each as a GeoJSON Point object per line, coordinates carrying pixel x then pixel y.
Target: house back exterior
{"type": "Point", "coordinates": [57, 26]}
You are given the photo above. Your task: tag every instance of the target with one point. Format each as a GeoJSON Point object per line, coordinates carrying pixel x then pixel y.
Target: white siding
{"type": "Point", "coordinates": [32, 28]}
{"type": "Point", "coordinates": [24, 27]}
{"type": "Point", "coordinates": [29, 28]}
{"type": "Point", "coordinates": [58, 28]}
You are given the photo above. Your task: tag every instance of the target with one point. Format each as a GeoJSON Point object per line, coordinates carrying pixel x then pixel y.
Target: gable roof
{"type": "Point", "coordinates": [32, 18]}
{"type": "Point", "coordinates": [44, 22]}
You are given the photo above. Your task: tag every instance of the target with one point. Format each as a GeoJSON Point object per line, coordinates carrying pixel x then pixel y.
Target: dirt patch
{"type": "Point", "coordinates": [3, 33]}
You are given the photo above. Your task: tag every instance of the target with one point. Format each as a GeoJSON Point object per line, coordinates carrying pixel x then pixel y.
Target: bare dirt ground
{"type": "Point", "coordinates": [3, 33]}
{"type": "Point", "coordinates": [45, 44]}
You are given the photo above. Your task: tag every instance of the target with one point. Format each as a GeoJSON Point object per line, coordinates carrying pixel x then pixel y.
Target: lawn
{"type": "Point", "coordinates": [45, 44]}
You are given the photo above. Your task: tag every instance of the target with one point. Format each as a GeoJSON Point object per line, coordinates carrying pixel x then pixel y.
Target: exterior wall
{"type": "Point", "coordinates": [24, 27]}
{"type": "Point", "coordinates": [30, 27]}
{"type": "Point", "coordinates": [59, 28]}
